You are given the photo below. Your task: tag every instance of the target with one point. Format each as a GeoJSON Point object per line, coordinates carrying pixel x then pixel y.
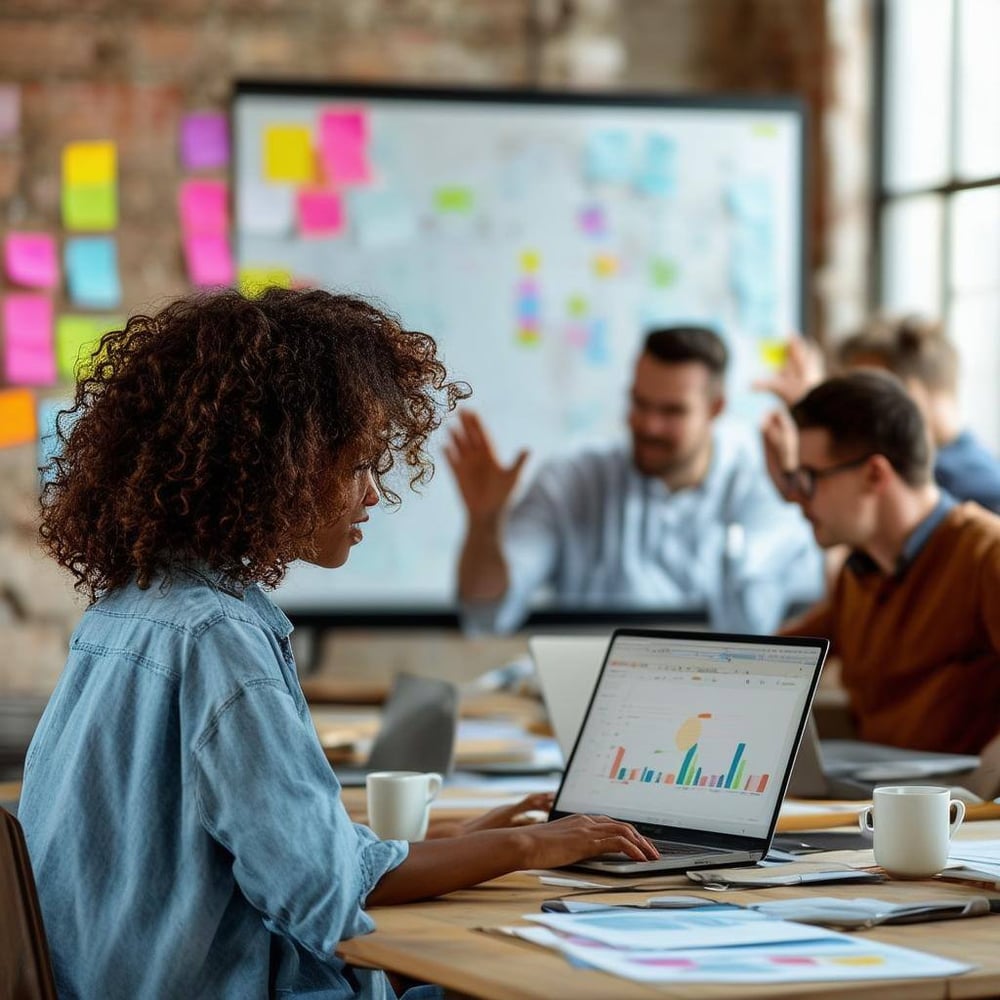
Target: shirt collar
{"type": "Point", "coordinates": [862, 564]}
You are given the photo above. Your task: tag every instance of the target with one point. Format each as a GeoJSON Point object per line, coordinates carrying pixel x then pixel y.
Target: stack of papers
{"type": "Point", "coordinates": [722, 944]}
{"type": "Point", "coordinates": [975, 861]}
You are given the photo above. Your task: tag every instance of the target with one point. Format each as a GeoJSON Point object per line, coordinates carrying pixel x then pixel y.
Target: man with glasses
{"type": "Point", "coordinates": [914, 614]}
{"type": "Point", "coordinates": [682, 517]}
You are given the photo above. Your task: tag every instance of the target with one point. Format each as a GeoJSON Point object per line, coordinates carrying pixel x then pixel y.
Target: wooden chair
{"type": "Point", "coordinates": [25, 969]}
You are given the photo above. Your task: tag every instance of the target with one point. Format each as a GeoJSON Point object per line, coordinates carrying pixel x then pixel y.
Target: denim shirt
{"type": "Point", "coordinates": [186, 832]}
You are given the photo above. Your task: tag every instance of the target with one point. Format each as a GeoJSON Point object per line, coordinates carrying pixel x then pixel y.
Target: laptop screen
{"type": "Point", "coordinates": [692, 733]}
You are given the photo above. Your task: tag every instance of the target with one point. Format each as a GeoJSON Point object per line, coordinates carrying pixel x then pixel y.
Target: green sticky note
{"type": "Point", "coordinates": [254, 281]}
{"type": "Point", "coordinates": [458, 200]}
{"type": "Point", "coordinates": [90, 206]}
{"type": "Point", "coordinates": [662, 273]}
{"type": "Point", "coordinates": [576, 306]}
{"type": "Point", "coordinates": [76, 339]}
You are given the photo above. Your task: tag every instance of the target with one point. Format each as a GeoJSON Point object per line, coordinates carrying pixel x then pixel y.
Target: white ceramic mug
{"type": "Point", "coordinates": [912, 826]}
{"type": "Point", "coordinates": [399, 802]}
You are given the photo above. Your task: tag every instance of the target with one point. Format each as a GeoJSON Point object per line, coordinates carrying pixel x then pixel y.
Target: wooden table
{"type": "Point", "coordinates": [438, 941]}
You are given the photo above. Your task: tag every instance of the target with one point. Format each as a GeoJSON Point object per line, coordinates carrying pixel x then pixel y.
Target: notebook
{"type": "Point", "coordinates": [690, 736]}
{"type": "Point", "coordinates": [417, 731]}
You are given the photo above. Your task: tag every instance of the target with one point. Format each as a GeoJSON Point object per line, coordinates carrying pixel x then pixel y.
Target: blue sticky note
{"type": "Point", "coordinates": [49, 444]}
{"type": "Point", "coordinates": [752, 261]}
{"type": "Point", "coordinates": [598, 348]}
{"type": "Point", "coordinates": [658, 167]}
{"type": "Point", "coordinates": [750, 199]}
{"type": "Point", "coordinates": [608, 156]}
{"type": "Point", "coordinates": [92, 272]}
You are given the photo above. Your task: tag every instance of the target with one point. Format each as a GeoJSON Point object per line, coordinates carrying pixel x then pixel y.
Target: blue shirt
{"type": "Point", "coordinates": [969, 472]}
{"type": "Point", "coordinates": [599, 534]}
{"type": "Point", "coordinates": [186, 832]}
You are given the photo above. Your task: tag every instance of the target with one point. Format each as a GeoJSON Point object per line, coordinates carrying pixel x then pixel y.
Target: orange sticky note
{"type": "Point", "coordinates": [288, 154]}
{"type": "Point", "coordinates": [18, 424]}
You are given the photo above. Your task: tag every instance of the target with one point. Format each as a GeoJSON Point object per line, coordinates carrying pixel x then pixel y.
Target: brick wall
{"type": "Point", "coordinates": [127, 70]}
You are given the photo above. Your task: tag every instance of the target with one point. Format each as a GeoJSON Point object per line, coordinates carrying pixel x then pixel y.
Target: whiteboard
{"type": "Point", "coordinates": [537, 237]}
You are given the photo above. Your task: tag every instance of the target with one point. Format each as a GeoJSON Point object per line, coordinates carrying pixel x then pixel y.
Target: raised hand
{"type": "Point", "coordinates": [485, 484]}
{"type": "Point", "coordinates": [781, 450]}
{"type": "Point", "coordinates": [803, 369]}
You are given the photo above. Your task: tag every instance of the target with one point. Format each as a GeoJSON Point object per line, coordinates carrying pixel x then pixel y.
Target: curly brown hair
{"type": "Point", "coordinates": [221, 429]}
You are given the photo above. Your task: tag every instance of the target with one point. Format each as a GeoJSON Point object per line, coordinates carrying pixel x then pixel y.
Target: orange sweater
{"type": "Point", "coordinates": [920, 650]}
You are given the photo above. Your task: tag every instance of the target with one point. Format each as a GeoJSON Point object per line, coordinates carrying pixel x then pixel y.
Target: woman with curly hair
{"type": "Point", "coordinates": [187, 834]}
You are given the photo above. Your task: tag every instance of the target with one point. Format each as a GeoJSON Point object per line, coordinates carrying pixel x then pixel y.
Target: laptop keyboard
{"type": "Point", "coordinates": [668, 848]}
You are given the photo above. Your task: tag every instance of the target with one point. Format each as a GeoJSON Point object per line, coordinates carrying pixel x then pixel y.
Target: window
{"type": "Point", "coordinates": [939, 203]}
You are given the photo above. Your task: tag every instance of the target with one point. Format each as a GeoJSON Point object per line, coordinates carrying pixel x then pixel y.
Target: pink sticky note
{"type": "Point", "coordinates": [321, 213]}
{"type": "Point", "coordinates": [591, 220]}
{"type": "Point", "coordinates": [31, 259]}
{"type": "Point", "coordinates": [343, 146]}
{"type": "Point", "coordinates": [209, 259]}
{"type": "Point", "coordinates": [28, 356]}
{"type": "Point", "coordinates": [204, 141]}
{"type": "Point", "coordinates": [204, 207]}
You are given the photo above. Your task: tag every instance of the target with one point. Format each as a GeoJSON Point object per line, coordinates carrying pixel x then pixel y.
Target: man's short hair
{"type": "Point", "coordinates": [912, 347]}
{"type": "Point", "coordinates": [675, 345]}
{"type": "Point", "coordinates": [870, 411]}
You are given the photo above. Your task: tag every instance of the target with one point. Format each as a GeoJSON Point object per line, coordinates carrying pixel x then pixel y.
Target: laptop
{"type": "Point", "coordinates": [417, 733]}
{"type": "Point", "coordinates": [690, 736]}
{"type": "Point", "coordinates": [849, 769]}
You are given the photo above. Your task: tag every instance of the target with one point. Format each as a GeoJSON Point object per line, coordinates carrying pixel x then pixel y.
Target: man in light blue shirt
{"type": "Point", "coordinates": [683, 518]}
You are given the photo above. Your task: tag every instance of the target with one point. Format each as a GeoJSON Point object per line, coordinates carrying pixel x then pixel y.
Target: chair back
{"type": "Point", "coordinates": [25, 969]}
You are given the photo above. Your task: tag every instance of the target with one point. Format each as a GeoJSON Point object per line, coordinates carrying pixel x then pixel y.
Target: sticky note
{"type": "Point", "coordinates": [204, 141]}
{"type": "Point", "coordinates": [92, 271]}
{"type": "Point", "coordinates": [47, 417]}
{"type": "Point", "coordinates": [93, 206]}
{"type": "Point", "coordinates": [255, 280]}
{"type": "Point", "coordinates": [454, 199]}
{"type": "Point", "coordinates": [530, 260]}
{"type": "Point", "coordinates": [343, 146]}
{"type": "Point", "coordinates": [10, 109]}
{"type": "Point", "coordinates": [605, 265]}
{"type": "Point", "coordinates": [86, 163]}
{"type": "Point", "coordinates": [381, 219]}
{"type": "Point", "coordinates": [528, 336]}
{"type": "Point", "coordinates": [591, 220]}
{"type": "Point", "coordinates": [598, 351]}
{"type": "Point", "coordinates": [576, 306]}
{"type": "Point", "coordinates": [204, 206]}
{"type": "Point", "coordinates": [28, 356]}
{"type": "Point", "coordinates": [18, 424]}
{"type": "Point", "coordinates": [658, 171]}
{"type": "Point", "coordinates": [773, 353]}
{"type": "Point", "coordinates": [608, 156]}
{"type": "Point", "coordinates": [288, 154]}
{"type": "Point", "coordinates": [750, 198]}
{"type": "Point", "coordinates": [265, 209]}
{"type": "Point", "coordinates": [31, 260]}
{"type": "Point", "coordinates": [764, 130]}
{"type": "Point", "coordinates": [209, 259]}
{"type": "Point", "coordinates": [662, 272]}
{"type": "Point", "coordinates": [77, 338]}
{"type": "Point", "coordinates": [576, 335]}
{"type": "Point", "coordinates": [321, 212]}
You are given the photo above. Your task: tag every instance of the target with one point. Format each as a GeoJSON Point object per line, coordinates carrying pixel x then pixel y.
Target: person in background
{"type": "Point", "coordinates": [914, 613]}
{"type": "Point", "coordinates": [186, 832]}
{"type": "Point", "coordinates": [683, 517]}
{"type": "Point", "coordinates": [917, 351]}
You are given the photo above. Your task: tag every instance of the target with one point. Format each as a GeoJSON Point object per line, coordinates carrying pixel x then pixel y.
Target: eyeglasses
{"type": "Point", "coordinates": [803, 479]}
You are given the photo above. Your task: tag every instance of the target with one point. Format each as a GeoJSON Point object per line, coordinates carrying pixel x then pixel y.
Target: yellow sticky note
{"type": "Point", "coordinates": [605, 265]}
{"type": "Point", "coordinates": [91, 207]}
{"type": "Point", "coordinates": [773, 353]}
{"type": "Point", "coordinates": [254, 281]}
{"type": "Point", "coordinates": [531, 261]}
{"type": "Point", "coordinates": [77, 337]}
{"type": "Point", "coordinates": [288, 154]}
{"type": "Point", "coordinates": [18, 424]}
{"type": "Point", "coordinates": [89, 163]}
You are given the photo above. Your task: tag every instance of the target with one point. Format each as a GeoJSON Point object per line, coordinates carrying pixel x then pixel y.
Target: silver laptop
{"type": "Point", "coordinates": [849, 769]}
{"type": "Point", "coordinates": [690, 736]}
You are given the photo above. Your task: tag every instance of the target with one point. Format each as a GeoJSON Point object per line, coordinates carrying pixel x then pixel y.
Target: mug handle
{"type": "Point", "coordinates": [866, 819]}
{"type": "Point", "coordinates": [957, 807]}
{"type": "Point", "coordinates": [434, 782]}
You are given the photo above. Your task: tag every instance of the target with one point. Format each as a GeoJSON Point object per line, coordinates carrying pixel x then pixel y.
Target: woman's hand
{"type": "Point", "coordinates": [516, 814]}
{"type": "Point", "coordinates": [573, 838]}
